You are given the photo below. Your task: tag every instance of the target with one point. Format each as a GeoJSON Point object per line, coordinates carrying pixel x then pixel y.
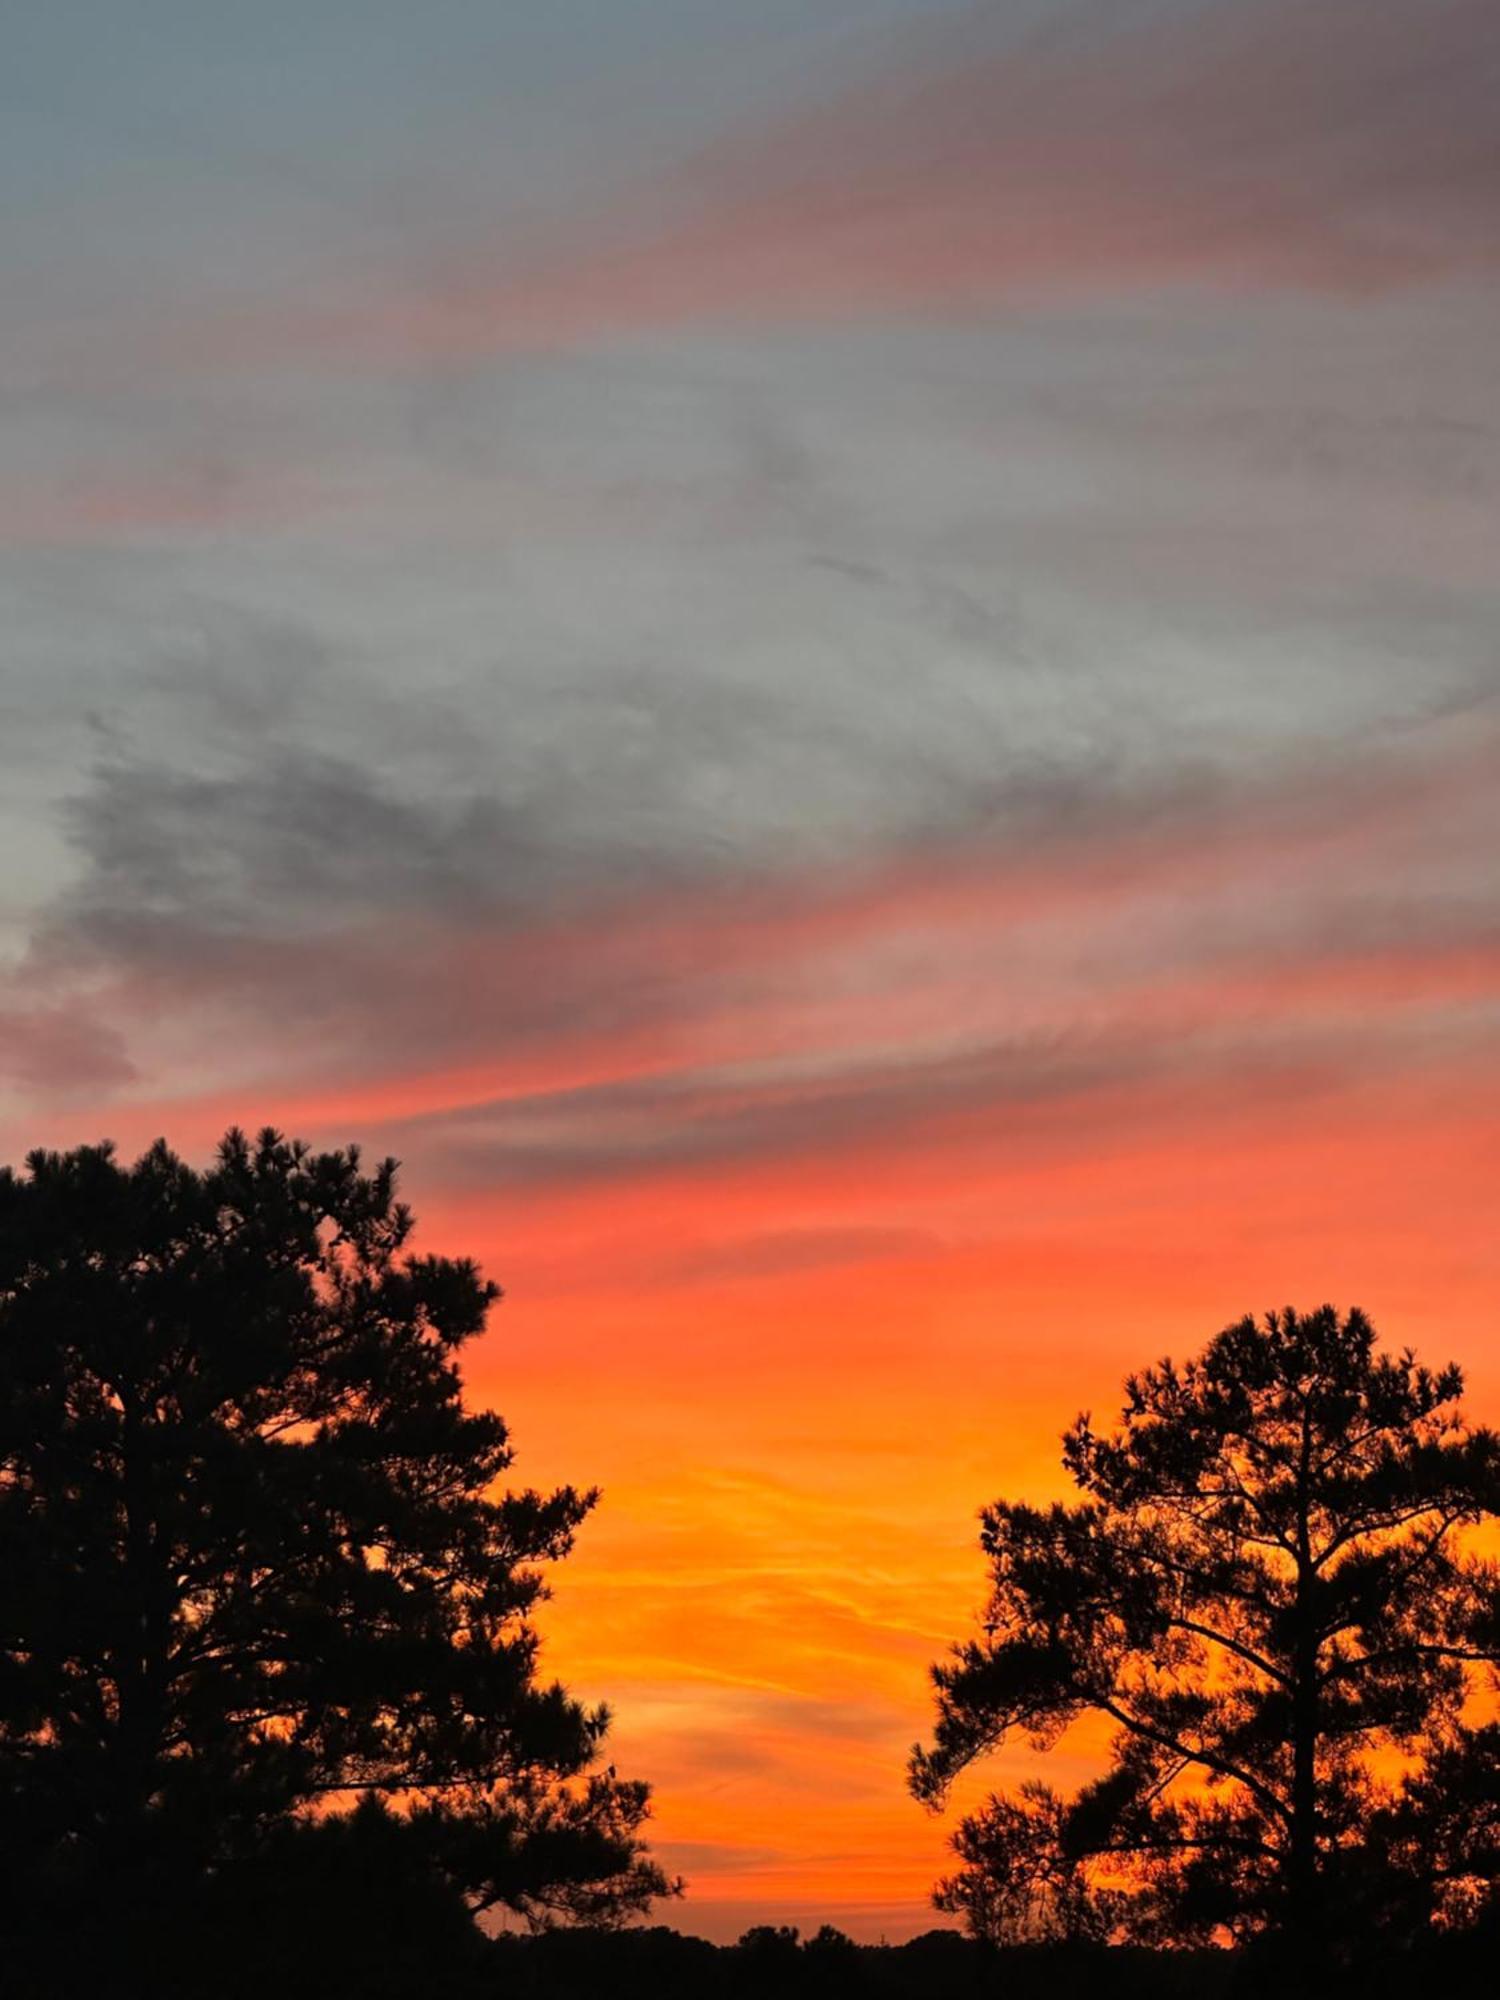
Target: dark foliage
{"type": "Point", "coordinates": [769, 1964]}
{"type": "Point", "coordinates": [1269, 1590]}
{"type": "Point", "coordinates": [259, 1565]}
{"type": "Point", "coordinates": [350, 1904]}
{"type": "Point", "coordinates": [771, 1961]}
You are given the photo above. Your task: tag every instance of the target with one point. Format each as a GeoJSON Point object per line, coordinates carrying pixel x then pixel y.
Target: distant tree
{"type": "Point", "coordinates": [258, 1560]}
{"type": "Point", "coordinates": [1267, 1588]}
{"type": "Point", "coordinates": [772, 1940]}
{"type": "Point", "coordinates": [829, 1938]}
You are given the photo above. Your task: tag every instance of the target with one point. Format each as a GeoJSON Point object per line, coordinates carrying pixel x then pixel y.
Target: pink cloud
{"type": "Point", "coordinates": [1341, 148]}
{"type": "Point", "coordinates": [175, 499]}
{"type": "Point", "coordinates": [1252, 945]}
{"type": "Point", "coordinates": [61, 1051]}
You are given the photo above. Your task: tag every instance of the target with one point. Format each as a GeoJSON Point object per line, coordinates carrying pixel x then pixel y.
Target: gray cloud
{"type": "Point", "coordinates": [274, 848]}
{"type": "Point", "coordinates": [716, 1856]}
{"type": "Point", "coordinates": [303, 902]}
{"type": "Point", "coordinates": [785, 1252]}
{"type": "Point", "coordinates": [1051, 1092]}
{"type": "Point", "coordinates": [1327, 148]}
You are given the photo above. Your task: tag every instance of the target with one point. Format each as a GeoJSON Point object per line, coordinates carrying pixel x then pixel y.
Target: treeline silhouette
{"type": "Point", "coordinates": [334, 1918]}
{"type": "Point", "coordinates": [272, 1717]}
{"type": "Point", "coordinates": [662, 1964]}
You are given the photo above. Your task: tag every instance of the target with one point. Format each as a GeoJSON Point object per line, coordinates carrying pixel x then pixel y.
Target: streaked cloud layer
{"type": "Point", "coordinates": [842, 674]}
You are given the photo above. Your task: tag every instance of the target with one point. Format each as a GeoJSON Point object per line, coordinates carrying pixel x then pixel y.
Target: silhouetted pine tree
{"type": "Point", "coordinates": [257, 1558]}
{"type": "Point", "coordinates": [1267, 1588]}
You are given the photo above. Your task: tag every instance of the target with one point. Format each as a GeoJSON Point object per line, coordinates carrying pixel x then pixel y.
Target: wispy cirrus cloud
{"type": "Point", "coordinates": [1337, 150]}
{"type": "Point", "coordinates": [1031, 963]}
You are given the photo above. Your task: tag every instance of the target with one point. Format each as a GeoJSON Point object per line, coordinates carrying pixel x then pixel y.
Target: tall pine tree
{"type": "Point", "coordinates": [1268, 1590]}
{"type": "Point", "coordinates": [260, 1563]}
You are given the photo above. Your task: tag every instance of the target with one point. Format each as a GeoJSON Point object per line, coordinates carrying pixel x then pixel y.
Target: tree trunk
{"type": "Point", "coordinates": [129, 1906]}
{"type": "Point", "coordinates": [1302, 1852]}
{"type": "Point", "coordinates": [1303, 1916]}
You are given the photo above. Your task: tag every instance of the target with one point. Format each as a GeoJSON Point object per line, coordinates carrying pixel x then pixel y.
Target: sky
{"type": "Point", "coordinates": [839, 666]}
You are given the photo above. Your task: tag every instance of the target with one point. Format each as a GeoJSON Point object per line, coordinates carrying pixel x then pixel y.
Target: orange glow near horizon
{"type": "Point", "coordinates": [792, 1462]}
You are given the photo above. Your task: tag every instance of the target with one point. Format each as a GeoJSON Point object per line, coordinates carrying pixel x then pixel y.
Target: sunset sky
{"type": "Point", "coordinates": [837, 661]}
